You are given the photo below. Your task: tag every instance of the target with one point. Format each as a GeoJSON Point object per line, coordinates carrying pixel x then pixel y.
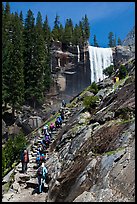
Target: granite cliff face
{"type": "Point", "coordinates": [130, 38]}
{"type": "Point", "coordinates": [93, 157]}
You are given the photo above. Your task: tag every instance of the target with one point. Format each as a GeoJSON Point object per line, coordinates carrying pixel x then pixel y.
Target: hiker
{"type": "Point", "coordinates": [45, 129]}
{"type": "Point", "coordinates": [63, 103]}
{"type": "Point", "coordinates": [60, 120]}
{"type": "Point", "coordinates": [48, 138]}
{"type": "Point", "coordinates": [57, 123]}
{"type": "Point", "coordinates": [62, 114]}
{"type": "Point", "coordinates": [41, 173]}
{"type": "Point", "coordinates": [52, 127]}
{"type": "Point", "coordinates": [24, 160]}
{"type": "Point", "coordinates": [40, 158]}
{"type": "Point", "coordinates": [45, 143]}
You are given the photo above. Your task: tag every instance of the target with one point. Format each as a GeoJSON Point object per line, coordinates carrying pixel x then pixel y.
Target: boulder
{"type": "Point", "coordinates": [16, 187]}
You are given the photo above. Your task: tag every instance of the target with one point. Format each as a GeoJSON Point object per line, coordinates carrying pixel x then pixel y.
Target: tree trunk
{"type": "Point", "coordinates": [5, 105]}
{"type": "Point", "coordinates": [34, 105]}
{"type": "Point", "coordinates": [13, 110]}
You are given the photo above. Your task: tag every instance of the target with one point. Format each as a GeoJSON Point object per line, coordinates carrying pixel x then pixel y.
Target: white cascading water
{"type": "Point", "coordinates": [78, 53]}
{"type": "Point", "coordinates": [100, 58]}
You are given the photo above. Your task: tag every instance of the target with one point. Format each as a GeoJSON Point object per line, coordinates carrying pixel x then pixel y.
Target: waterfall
{"type": "Point", "coordinates": [100, 58]}
{"type": "Point", "coordinates": [78, 53]}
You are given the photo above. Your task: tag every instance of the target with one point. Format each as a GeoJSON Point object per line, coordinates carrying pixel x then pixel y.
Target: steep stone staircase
{"type": "Point", "coordinates": [27, 182]}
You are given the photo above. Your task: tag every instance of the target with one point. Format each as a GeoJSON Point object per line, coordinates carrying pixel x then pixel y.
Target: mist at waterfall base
{"type": "Point", "coordinates": [86, 73]}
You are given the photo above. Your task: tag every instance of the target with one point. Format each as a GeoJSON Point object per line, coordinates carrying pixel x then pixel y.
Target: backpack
{"type": "Point", "coordinates": [26, 157]}
{"type": "Point", "coordinates": [40, 171]}
{"type": "Point", "coordinates": [42, 158]}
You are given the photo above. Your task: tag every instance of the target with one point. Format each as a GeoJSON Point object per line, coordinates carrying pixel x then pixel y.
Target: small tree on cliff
{"type": "Point", "coordinates": [95, 41]}
{"type": "Point", "coordinates": [119, 42]}
{"type": "Point", "coordinates": [111, 39]}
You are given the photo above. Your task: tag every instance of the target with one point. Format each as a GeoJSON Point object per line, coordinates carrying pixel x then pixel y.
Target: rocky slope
{"type": "Point", "coordinates": [130, 38]}
{"type": "Point", "coordinates": [92, 157]}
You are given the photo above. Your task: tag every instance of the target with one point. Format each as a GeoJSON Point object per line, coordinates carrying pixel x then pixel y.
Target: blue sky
{"type": "Point", "coordinates": [118, 17]}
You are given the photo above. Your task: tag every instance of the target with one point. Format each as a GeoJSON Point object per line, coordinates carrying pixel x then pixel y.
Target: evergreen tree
{"type": "Point", "coordinates": [95, 41]}
{"type": "Point", "coordinates": [61, 32]}
{"type": "Point", "coordinates": [81, 34]}
{"type": "Point", "coordinates": [17, 64]}
{"type": "Point", "coordinates": [76, 35]}
{"type": "Point", "coordinates": [21, 17]}
{"type": "Point", "coordinates": [111, 39]}
{"type": "Point", "coordinates": [115, 41]}
{"type": "Point", "coordinates": [39, 62]}
{"type": "Point", "coordinates": [29, 64]}
{"type": "Point", "coordinates": [119, 42]}
{"type": "Point", "coordinates": [68, 32]}
{"type": "Point", "coordinates": [47, 39]}
{"type": "Point", "coordinates": [47, 32]}
{"type": "Point", "coordinates": [55, 31]}
{"type": "Point", "coordinates": [86, 28]}
{"type": "Point", "coordinates": [6, 53]}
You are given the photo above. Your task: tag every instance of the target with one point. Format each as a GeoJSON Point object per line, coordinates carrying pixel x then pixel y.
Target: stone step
{"type": "Point", "coordinates": [33, 183]}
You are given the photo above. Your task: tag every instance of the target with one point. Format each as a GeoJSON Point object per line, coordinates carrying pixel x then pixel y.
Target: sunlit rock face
{"type": "Point", "coordinates": [130, 38]}
{"type": "Point", "coordinates": [100, 58]}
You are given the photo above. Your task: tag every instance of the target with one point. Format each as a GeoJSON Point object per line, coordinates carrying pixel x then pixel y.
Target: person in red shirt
{"type": "Point", "coordinates": [25, 160]}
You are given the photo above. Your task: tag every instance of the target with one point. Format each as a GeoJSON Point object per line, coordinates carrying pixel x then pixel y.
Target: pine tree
{"type": "Point", "coordinates": [119, 42]}
{"type": "Point", "coordinates": [76, 35]}
{"type": "Point", "coordinates": [115, 41]}
{"type": "Point", "coordinates": [95, 41]}
{"type": "Point", "coordinates": [61, 32]}
{"type": "Point", "coordinates": [68, 32]}
{"type": "Point", "coordinates": [81, 33]}
{"type": "Point", "coordinates": [39, 62]}
{"type": "Point", "coordinates": [21, 17]}
{"type": "Point", "coordinates": [47, 39]}
{"type": "Point", "coordinates": [111, 39]}
{"type": "Point", "coordinates": [86, 28]}
{"type": "Point", "coordinates": [47, 32]}
{"type": "Point", "coordinates": [6, 53]}
{"type": "Point", "coordinates": [55, 31]}
{"type": "Point", "coordinates": [29, 64]}
{"type": "Point", "coordinates": [17, 65]}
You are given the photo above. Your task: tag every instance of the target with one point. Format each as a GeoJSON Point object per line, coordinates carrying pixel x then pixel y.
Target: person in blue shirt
{"type": "Point", "coordinates": [42, 174]}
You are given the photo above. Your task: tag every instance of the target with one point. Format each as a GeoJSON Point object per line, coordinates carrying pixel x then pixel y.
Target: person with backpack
{"type": "Point", "coordinates": [24, 160]}
{"type": "Point", "coordinates": [45, 143]}
{"type": "Point", "coordinates": [62, 114]}
{"type": "Point", "coordinates": [52, 127]}
{"type": "Point", "coordinates": [42, 174]}
{"type": "Point", "coordinates": [60, 120]}
{"type": "Point", "coordinates": [63, 103]}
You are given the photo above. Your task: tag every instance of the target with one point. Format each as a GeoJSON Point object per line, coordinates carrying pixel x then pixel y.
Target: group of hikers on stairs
{"type": "Point", "coordinates": [47, 132]}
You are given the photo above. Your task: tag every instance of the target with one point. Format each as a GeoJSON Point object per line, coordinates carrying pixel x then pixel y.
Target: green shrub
{"type": "Point", "coordinates": [90, 101]}
{"type": "Point", "coordinates": [12, 150]}
{"type": "Point", "coordinates": [109, 70]}
{"type": "Point", "coordinates": [122, 72]}
{"type": "Point", "coordinates": [94, 88]}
